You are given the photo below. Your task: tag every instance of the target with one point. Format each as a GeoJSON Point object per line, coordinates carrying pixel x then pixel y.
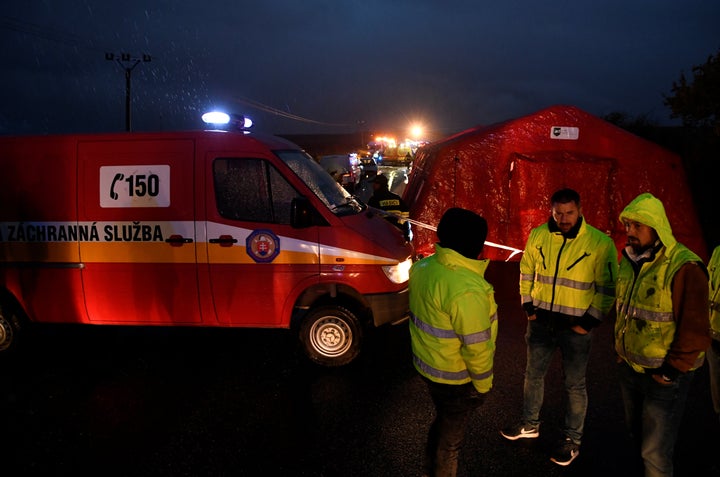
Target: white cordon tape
{"type": "Point", "coordinates": [514, 251]}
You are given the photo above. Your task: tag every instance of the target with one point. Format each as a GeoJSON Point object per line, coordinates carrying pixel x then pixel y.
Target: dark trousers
{"type": "Point", "coordinates": [454, 405]}
{"type": "Point", "coordinates": [653, 414]}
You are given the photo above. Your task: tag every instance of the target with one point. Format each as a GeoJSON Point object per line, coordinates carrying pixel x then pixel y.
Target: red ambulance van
{"type": "Point", "coordinates": [204, 228]}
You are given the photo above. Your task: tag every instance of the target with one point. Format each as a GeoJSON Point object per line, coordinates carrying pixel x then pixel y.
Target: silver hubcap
{"type": "Point", "coordinates": [5, 333]}
{"type": "Point", "coordinates": [331, 337]}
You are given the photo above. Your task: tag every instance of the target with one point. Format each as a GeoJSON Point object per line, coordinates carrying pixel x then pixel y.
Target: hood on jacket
{"type": "Point", "coordinates": [648, 210]}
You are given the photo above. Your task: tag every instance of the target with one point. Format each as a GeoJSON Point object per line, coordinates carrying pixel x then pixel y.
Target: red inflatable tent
{"type": "Point", "coordinates": [507, 171]}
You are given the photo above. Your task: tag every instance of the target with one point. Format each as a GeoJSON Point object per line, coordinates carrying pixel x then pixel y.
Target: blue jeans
{"type": "Point", "coordinates": [653, 412]}
{"type": "Point", "coordinates": [454, 404]}
{"type": "Point", "coordinates": [713, 359]}
{"type": "Point", "coordinates": [543, 338]}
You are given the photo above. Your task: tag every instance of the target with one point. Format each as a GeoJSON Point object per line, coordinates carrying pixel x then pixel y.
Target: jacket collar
{"type": "Point", "coordinates": [450, 257]}
{"type": "Point", "coordinates": [572, 233]}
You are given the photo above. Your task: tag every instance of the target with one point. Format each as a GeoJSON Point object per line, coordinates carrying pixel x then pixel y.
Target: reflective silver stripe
{"type": "Point", "coordinates": [567, 310]}
{"type": "Point", "coordinates": [485, 375]}
{"type": "Point", "coordinates": [565, 282]}
{"type": "Point", "coordinates": [657, 362]}
{"type": "Point", "coordinates": [472, 338]}
{"type": "Point", "coordinates": [478, 337]}
{"type": "Point", "coordinates": [450, 375]}
{"type": "Point", "coordinates": [528, 277]}
{"type": "Point", "coordinates": [645, 362]}
{"type": "Point", "coordinates": [432, 330]}
{"type": "Point", "coordinates": [647, 315]}
{"type": "Point", "coordinates": [595, 313]}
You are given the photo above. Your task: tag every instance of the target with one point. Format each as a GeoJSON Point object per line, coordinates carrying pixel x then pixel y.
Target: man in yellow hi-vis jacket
{"type": "Point", "coordinates": [713, 355]}
{"type": "Point", "coordinates": [453, 329]}
{"type": "Point", "coordinates": [567, 286]}
{"type": "Point", "coordinates": [661, 330]}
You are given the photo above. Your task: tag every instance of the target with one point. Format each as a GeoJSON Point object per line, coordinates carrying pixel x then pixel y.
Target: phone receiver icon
{"type": "Point", "coordinates": [118, 177]}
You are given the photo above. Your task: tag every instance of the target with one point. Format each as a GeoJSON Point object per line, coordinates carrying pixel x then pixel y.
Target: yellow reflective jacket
{"type": "Point", "coordinates": [573, 277]}
{"type": "Point", "coordinates": [714, 292]}
{"type": "Point", "coordinates": [646, 326]}
{"type": "Point", "coordinates": [453, 326]}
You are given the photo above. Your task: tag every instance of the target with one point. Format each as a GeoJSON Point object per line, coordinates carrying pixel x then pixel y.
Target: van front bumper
{"type": "Point", "coordinates": [389, 307]}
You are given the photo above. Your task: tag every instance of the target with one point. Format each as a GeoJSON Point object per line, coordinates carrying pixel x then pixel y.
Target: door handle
{"type": "Point", "coordinates": [177, 240]}
{"type": "Point", "coordinates": [224, 240]}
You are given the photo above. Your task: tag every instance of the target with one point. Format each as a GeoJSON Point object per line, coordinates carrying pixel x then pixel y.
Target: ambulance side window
{"type": "Point", "coordinates": [282, 196]}
{"type": "Point", "coordinates": [251, 190]}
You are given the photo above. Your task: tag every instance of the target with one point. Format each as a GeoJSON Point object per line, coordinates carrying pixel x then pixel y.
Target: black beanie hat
{"type": "Point", "coordinates": [463, 231]}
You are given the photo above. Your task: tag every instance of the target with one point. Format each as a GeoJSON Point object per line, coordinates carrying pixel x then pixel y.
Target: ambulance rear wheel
{"type": "Point", "coordinates": [331, 336]}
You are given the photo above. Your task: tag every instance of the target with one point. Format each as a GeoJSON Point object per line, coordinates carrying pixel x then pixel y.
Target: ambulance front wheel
{"type": "Point", "coordinates": [9, 329]}
{"type": "Point", "coordinates": [331, 335]}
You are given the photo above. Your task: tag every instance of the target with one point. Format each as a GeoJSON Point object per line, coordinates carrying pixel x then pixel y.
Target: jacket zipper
{"type": "Point", "coordinates": [555, 275]}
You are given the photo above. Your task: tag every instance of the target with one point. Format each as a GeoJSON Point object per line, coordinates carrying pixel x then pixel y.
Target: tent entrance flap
{"type": "Point", "coordinates": [534, 177]}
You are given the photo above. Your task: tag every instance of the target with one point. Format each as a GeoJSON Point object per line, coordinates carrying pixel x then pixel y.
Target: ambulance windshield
{"type": "Point", "coordinates": [320, 182]}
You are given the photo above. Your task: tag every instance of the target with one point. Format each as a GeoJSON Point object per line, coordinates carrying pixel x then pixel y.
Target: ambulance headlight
{"type": "Point", "coordinates": [399, 273]}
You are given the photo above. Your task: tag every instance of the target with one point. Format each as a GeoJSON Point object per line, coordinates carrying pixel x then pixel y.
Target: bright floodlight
{"type": "Point", "coordinates": [216, 117]}
{"type": "Point", "coordinates": [416, 130]}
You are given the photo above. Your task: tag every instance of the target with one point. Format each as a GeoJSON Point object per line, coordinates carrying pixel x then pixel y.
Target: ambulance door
{"type": "Point", "coordinates": [139, 256]}
{"type": "Point", "coordinates": [258, 263]}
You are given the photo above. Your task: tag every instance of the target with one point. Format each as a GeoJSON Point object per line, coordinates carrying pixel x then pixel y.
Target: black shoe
{"type": "Point", "coordinates": [520, 431]}
{"type": "Point", "coordinates": [566, 452]}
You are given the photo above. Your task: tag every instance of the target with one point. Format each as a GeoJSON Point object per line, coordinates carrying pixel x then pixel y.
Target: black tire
{"type": "Point", "coordinates": [331, 336]}
{"type": "Point", "coordinates": [10, 329]}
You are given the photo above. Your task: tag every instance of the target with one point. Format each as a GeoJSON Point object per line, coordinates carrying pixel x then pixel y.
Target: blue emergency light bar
{"type": "Point", "coordinates": [227, 121]}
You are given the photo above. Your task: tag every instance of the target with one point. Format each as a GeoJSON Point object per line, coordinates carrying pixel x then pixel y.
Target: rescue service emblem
{"type": "Point", "coordinates": [262, 246]}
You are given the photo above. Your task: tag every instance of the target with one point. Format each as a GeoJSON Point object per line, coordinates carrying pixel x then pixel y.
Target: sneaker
{"type": "Point", "coordinates": [521, 431]}
{"type": "Point", "coordinates": [565, 452]}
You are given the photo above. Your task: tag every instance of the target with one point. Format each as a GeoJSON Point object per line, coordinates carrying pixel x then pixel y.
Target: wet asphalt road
{"type": "Point", "coordinates": [112, 401]}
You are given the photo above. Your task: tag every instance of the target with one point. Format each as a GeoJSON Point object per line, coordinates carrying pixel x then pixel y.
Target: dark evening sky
{"type": "Point", "coordinates": [335, 66]}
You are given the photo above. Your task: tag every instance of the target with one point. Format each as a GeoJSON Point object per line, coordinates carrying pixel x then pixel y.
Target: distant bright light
{"type": "Point", "coordinates": [216, 117]}
{"type": "Point", "coordinates": [386, 140]}
{"type": "Point", "coordinates": [417, 131]}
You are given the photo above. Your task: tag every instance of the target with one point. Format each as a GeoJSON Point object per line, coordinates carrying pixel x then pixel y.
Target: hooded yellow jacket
{"type": "Point", "coordinates": [453, 326]}
{"type": "Point", "coordinates": [714, 290]}
{"type": "Point", "coordinates": [660, 325]}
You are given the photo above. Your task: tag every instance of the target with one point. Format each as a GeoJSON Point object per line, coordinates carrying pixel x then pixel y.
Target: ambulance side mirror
{"type": "Point", "coordinates": [407, 231]}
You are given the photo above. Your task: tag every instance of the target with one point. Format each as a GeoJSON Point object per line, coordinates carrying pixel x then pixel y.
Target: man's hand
{"type": "Point", "coordinates": [662, 379]}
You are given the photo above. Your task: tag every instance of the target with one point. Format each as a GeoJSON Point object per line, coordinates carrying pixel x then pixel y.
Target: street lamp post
{"type": "Point", "coordinates": [361, 128]}
{"type": "Point", "coordinates": [124, 60]}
